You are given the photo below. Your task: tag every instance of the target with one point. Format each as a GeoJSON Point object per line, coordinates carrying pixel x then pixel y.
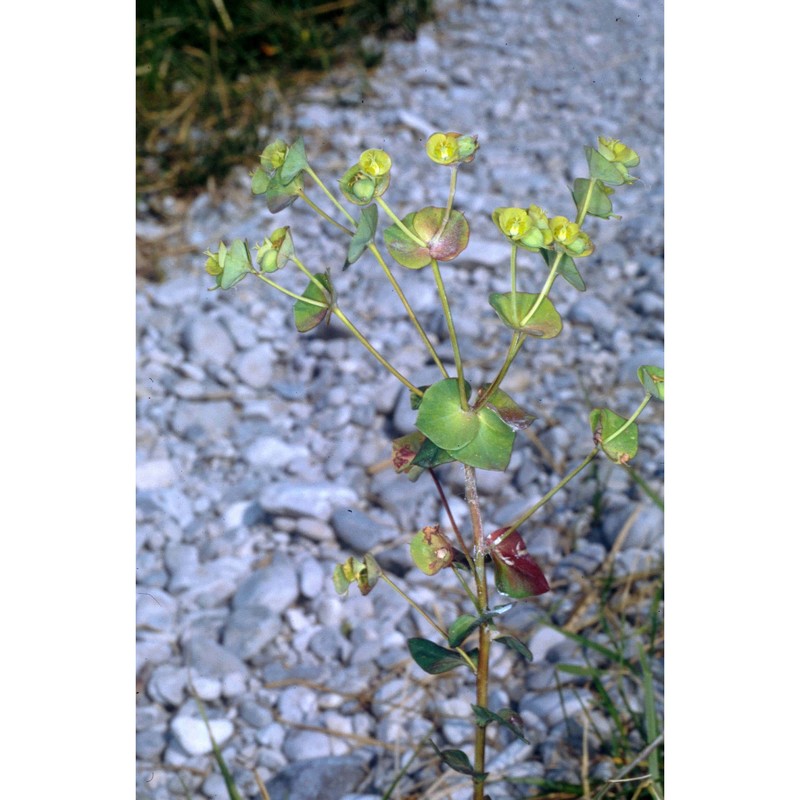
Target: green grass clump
{"type": "Point", "coordinates": [206, 70]}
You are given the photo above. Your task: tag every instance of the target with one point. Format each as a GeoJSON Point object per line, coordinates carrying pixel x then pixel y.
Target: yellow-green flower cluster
{"type": "Point", "coordinates": [533, 230]}
{"type": "Point", "coordinates": [451, 148]}
{"type": "Point", "coordinates": [273, 253]}
{"type": "Point", "coordinates": [619, 154]}
{"type": "Point", "coordinates": [215, 262]}
{"type": "Point", "coordinates": [273, 156]}
{"type": "Point", "coordinates": [367, 179]}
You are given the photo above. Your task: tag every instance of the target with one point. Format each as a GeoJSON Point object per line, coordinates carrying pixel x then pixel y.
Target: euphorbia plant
{"type": "Point", "coordinates": [474, 425]}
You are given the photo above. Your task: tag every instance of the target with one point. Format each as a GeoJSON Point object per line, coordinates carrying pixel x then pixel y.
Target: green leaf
{"type": "Point", "coordinates": [340, 582]}
{"type": "Point", "coordinates": [430, 550]}
{"type": "Point", "coordinates": [459, 761]}
{"type": "Point", "coordinates": [513, 307]}
{"type": "Point", "coordinates": [431, 455]}
{"type": "Point", "coordinates": [365, 232]}
{"type": "Point", "coordinates": [462, 628]}
{"type": "Point", "coordinates": [404, 451]}
{"type": "Point", "coordinates": [306, 315]}
{"type": "Point", "coordinates": [505, 717]}
{"type": "Point", "coordinates": [281, 195]}
{"type": "Point", "coordinates": [435, 659]}
{"type": "Point", "coordinates": [237, 265]}
{"type": "Point", "coordinates": [602, 169]}
{"type": "Point", "coordinates": [566, 269]}
{"type": "Point", "coordinates": [295, 162]}
{"type": "Point", "coordinates": [516, 574]}
{"type": "Point", "coordinates": [599, 202]}
{"type": "Point", "coordinates": [508, 410]}
{"type": "Point", "coordinates": [512, 643]}
{"type": "Point", "coordinates": [403, 249]}
{"type": "Point", "coordinates": [442, 245]}
{"type": "Point", "coordinates": [259, 181]}
{"type": "Point", "coordinates": [491, 446]}
{"type": "Point", "coordinates": [442, 419]}
{"type": "Point", "coordinates": [605, 423]}
{"type": "Point", "coordinates": [652, 378]}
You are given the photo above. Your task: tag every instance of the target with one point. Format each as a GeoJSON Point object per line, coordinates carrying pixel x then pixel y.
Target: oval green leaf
{"type": "Point", "coordinates": [433, 658]}
{"type": "Point", "coordinates": [237, 264]}
{"type": "Point", "coordinates": [652, 378]}
{"type": "Point", "coordinates": [514, 416]}
{"type": "Point", "coordinates": [491, 446]}
{"type": "Point", "coordinates": [365, 232]}
{"type": "Point", "coordinates": [602, 169]}
{"type": "Point", "coordinates": [294, 163]}
{"type": "Point", "coordinates": [566, 269]}
{"type": "Point", "coordinates": [430, 550]}
{"type": "Point", "coordinates": [442, 419]}
{"type": "Point", "coordinates": [308, 315]}
{"type": "Point", "coordinates": [462, 628]}
{"type": "Point", "coordinates": [513, 307]}
{"type": "Point", "coordinates": [444, 244]}
{"type": "Point", "coordinates": [619, 447]}
{"type": "Point", "coordinates": [599, 202]}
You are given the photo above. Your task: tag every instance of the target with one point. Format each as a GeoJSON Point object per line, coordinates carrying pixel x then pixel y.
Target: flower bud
{"type": "Point", "coordinates": [216, 261]}
{"type": "Point", "coordinates": [273, 253]}
{"type": "Point", "coordinates": [569, 238]}
{"type": "Point", "coordinates": [615, 151]}
{"type": "Point", "coordinates": [274, 155]}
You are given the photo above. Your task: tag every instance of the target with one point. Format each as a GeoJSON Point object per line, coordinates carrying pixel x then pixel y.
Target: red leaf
{"type": "Point", "coordinates": [516, 574]}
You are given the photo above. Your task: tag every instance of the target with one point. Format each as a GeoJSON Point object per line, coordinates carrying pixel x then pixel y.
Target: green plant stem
{"type": "Point", "coordinates": [514, 276]}
{"type": "Point", "coordinates": [280, 288]}
{"type": "Point", "coordinates": [645, 488]}
{"type": "Point", "coordinates": [373, 352]}
{"type": "Point", "coordinates": [548, 284]}
{"type": "Point", "coordinates": [484, 635]}
{"type": "Point", "coordinates": [397, 778]}
{"type": "Point", "coordinates": [411, 315]}
{"type": "Point", "coordinates": [462, 390]}
{"type": "Point", "coordinates": [450, 198]}
{"type": "Point", "coordinates": [630, 419]}
{"type": "Point", "coordinates": [585, 207]}
{"type": "Point", "coordinates": [428, 619]}
{"type": "Point", "coordinates": [400, 224]}
{"type": "Point", "coordinates": [375, 252]}
{"type": "Point", "coordinates": [327, 217]}
{"type": "Point", "coordinates": [313, 175]}
{"type": "Point", "coordinates": [557, 488]}
{"type": "Point", "coordinates": [446, 506]}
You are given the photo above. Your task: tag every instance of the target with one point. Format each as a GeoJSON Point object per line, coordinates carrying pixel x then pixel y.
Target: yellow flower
{"type": "Point", "coordinates": [513, 222]}
{"type": "Point", "coordinates": [274, 155]}
{"type": "Point", "coordinates": [615, 151]}
{"type": "Point", "coordinates": [375, 162]}
{"type": "Point", "coordinates": [443, 147]}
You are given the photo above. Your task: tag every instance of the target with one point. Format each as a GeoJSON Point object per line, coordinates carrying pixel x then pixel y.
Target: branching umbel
{"type": "Point", "coordinates": [456, 421]}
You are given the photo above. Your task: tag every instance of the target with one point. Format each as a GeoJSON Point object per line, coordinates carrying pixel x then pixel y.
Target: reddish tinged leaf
{"type": "Point", "coordinates": [405, 449]}
{"type": "Point", "coordinates": [516, 574]}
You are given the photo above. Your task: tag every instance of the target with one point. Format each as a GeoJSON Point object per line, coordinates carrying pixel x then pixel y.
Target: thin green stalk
{"type": "Point", "coordinates": [630, 420]}
{"type": "Point", "coordinates": [437, 276]}
{"type": "Point", "coordinates": [373, 352]}
{"type": "Point", "coordinates": [428, 619]}
{"type": "Point", "coordinates": [400, 224]}
{"type": "Point", "coordinates": [411, 315]}
{"type": "Point", "coordinates": [313, 175]}
{"type": "Point", "coordinates": [280, 288]}
{"type": "Point", "coordinates": [377, 254]}
{"type": "Point", "coordinates": [450, 198]}
{"type": "Point", "coordinates": [422, 742]}
{"type": "Point", "coordinates": [548, 284]}
{"type": "Point", "coordinates": [484, 637]}
{"type": "Point", "coordinates": [324, 214]}
{"type": "Point", "coordinates": [585, 207]}
{"type": "Point", "coordinates": [557, 488]}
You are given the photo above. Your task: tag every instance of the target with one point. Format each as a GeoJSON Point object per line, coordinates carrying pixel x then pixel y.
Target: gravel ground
{"type": "Point", "coordinates": [261, 454]}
